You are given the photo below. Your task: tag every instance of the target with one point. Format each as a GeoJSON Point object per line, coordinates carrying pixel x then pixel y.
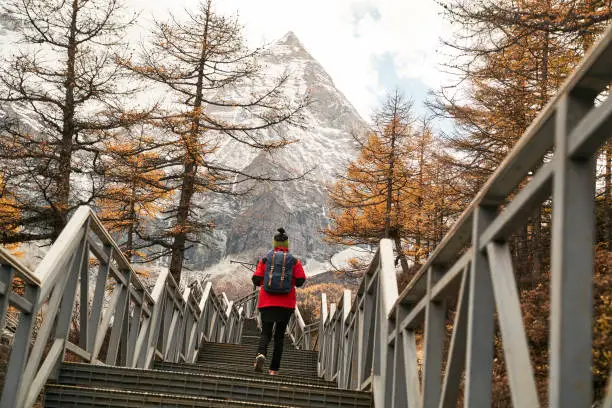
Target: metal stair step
{"type": "Point", "coordinates": [254, 339]}
{"type": "Point", "coordinates": [210, 386]}
{"type": "Point", "coordinates": [248, 348]}
{"type": "Point", "coordinates": [243, 371]}
{"type": "Point", "coordinates": [247, 360]}
{"type": "Point", "coordinates": [224, 354]}
{"type": "Point", "coordinates": [66, 396]}
{"type": "Point", "coordinates": [238, 367]}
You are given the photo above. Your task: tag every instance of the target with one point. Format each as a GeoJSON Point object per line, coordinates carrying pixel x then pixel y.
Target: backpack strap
{"type": "Point", "coordinates": [271, 269]}
{"type": "Point", "coordinates": [284, 267]}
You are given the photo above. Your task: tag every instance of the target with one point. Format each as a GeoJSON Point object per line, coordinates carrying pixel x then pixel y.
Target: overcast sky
{"type": "Point", "coordinates": [367, 46]}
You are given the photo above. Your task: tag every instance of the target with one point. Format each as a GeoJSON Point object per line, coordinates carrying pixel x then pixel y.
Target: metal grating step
{"type": "Point", "coordinates": [243, 371]}
{"type": "Point", "coordinates": [66, 396]}
{"type": "Point", "coordinates": [254, 340]}
{"type": "Point", "coordinates": [233, 354]}
{"type": "Point", "coordinates": [210, 386]}
{"type": "Point", "coordinates": [213, 359]}
{"type": "Point", "coordinates": [239, 367]}
{"type": "Point", "coordinates": [248, 348]}
{"type": "Point", "coordinates": [221, 354]}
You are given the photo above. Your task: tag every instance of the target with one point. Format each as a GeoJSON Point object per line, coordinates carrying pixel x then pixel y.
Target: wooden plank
{"type": "Point", "coordinates": [6, 277]}
{"type": "Point", "coordinates": [20, 302]}
{"type": "Point", "coordinates": [14, 382]}
{"type": "Point", "coordinates": [23, 271]}
{"type": "Point", "coordinates": [521, 207]}
{"type": "Point", "coordinates": [118, 319]}
{"type": "Point", "coordinates": [84, 299]}
{"type": "Point", "coordinates": [573, 237]}
{"type": "Point", "coordinates": [73, 348]}
{"type": "Point", "coordinates": [67, 242]}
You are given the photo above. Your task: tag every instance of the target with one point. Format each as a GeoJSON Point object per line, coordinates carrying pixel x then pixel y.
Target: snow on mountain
{"type": "Point", "coordinates": [246, 225]}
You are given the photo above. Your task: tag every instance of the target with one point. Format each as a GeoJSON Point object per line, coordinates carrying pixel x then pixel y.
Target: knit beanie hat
{"type": "Point", "coordinates": [281, 239]}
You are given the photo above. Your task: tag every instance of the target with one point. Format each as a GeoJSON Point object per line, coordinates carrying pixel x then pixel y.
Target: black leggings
{"type": "Point", "coordinates": [279, 338]}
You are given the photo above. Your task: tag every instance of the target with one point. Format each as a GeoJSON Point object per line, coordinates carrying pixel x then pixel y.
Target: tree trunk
{"type": "Point", "coordinates": [537, 255]}
{"type": "Point", "coordinates": [190, 167]}
{"type": "Point", "coordinates": [182, 219]}
{"type": "Point", "coordinates": [129, 245]}
{"type": "Point", "coordinates": [68, 130]}
{"type": "Point", "coordinates": [400, 253]}
{"type": "Point", "coordinates": [390, 189]}
{"type": "Point", "coordinates": [608, 195]}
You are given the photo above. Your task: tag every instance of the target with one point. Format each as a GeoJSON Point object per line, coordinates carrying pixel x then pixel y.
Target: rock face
{"type": "Point", "coordinates": [7, 23]}
{"type": "Point", "coordinates": [246, 225]}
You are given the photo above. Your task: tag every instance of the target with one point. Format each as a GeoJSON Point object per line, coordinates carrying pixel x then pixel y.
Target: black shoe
{"type": "Point", "coordinates": [260, 360]}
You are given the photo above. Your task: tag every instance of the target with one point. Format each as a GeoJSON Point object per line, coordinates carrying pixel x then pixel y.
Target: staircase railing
{"type": "Point", "coordinates": [85, 298]}
{"type": "Point", "coordinates": [372, 343]}
{"type": "Point", "coordinates": [352, 332]}
{"type": "Point", "coordinates": [301, 334]}
{"type": "Point", "coordinates": [249, 304]}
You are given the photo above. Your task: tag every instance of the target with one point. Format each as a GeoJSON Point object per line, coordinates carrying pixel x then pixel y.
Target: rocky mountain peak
{"type": "Point", "coordinates": [245, 225]}
{"type": "Point", "coordinates": [290, 39]}
{"type": "Point", "coordinates": [287, 47]}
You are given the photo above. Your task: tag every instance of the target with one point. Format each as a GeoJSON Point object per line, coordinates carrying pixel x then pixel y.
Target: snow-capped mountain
{"type": "Point", "coordinates": [246, 225]}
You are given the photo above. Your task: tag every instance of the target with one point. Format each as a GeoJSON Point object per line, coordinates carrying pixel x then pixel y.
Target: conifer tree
{"type": "Point", "coordinates": [62, 91]}
{"type": "Point", "coordinates": [513, 57]}
{"type": "Point", "coordinates": [9, 211]}
{"type": "Point", "coordinates": [202, 63]}
{"type": "Point", "coordinates": [370, 201]}
{"type": "Point", "coordinates": [135, 192]}
{"type": "Point", "coordinates": [433, 198]}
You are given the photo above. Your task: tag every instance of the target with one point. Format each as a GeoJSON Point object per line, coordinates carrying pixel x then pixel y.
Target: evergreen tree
{"type": "Point", "coordinates": [135, 192]}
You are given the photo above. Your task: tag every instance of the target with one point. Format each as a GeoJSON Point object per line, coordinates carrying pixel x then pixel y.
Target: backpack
{"type": "Point", "coordinates": [279, 272]}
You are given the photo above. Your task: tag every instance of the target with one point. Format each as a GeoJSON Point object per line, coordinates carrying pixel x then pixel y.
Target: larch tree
{"type": "Point", "coordinates": [369, 202]}
{"type": "Point", "coordinates": [432, 200]}
{"type": "Point", "coordinates": [9, 213]}
{"type": "Point", "coordinates": [62, 92]}
{"type": "Point", "coordinates": [510, 58]}
{"type": "Point", "coordinates": [205, 66]}
{"type": "Point", "coordinates": [134, 192]}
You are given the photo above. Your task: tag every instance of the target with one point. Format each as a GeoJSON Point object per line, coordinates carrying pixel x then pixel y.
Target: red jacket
{"type": "Point", "coordinates": [281, 300]}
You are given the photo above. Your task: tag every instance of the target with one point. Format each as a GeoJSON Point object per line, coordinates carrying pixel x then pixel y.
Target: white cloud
{"type": "Point", "coordinates": [345, 36]}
